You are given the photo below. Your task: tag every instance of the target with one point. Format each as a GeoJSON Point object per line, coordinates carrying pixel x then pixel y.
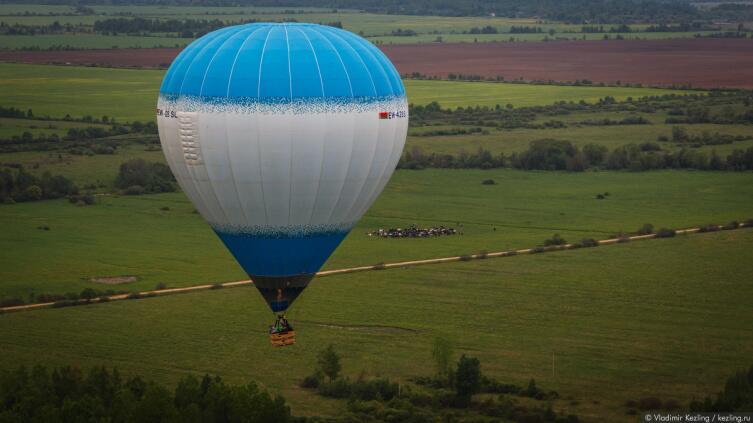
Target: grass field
{"type": "Point", "coordinates": [516, 140]}
{"type": "Point", "coordinates": [666, 318]}
{"type": "Point", "coordinates": [89, 41]}
{"type": "Point", "coordinates": [378, 27]}
{"type": "Point", "coordinates": [131, 94]}
{"type": "Point", "coordinates": [522, 210]}
{"type": "Point", "coordinates": [11, 126]}
{"type": "Point", "coordinates": [92, 41]}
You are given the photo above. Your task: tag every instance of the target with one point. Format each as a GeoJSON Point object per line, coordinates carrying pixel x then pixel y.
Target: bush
{"type": "Point", "coordinates": [708, 228]}
{"type": "Point", "coordinates": [152, 177]}
{"type": "Point", "coordinates": [339, 388]}
{"type": "Point", "coordinates": [467, 379]}
{"type": "Point", "coordinates": [649, 403]}
{"type": "Point", "coordinates": [88, 294]}
{"type": "Point", "coordinates": [67, 393]}
{"type": "Point", "coordinates": [665, 233]}
{"type": "Point", "coordinates": [65, 303]}
{"type": "Point", "coordinates": [311, 381]}
{"type": "Point", "coordinates": [555, 240]}
{"type": "Point", "coordinates": [328, 363]}
{"type": "Point", "coordinates": [749, 223]}
{"type": "Point", "coordinates": [86, 199]}
{"type": "Point", "coordinates": [646, 229]}
{"type": "Point", "coordinates": [134, 190]}
{"type": "Point", "coordinates": [11, 301]}
{"type": "Point", "coordinates": [589, 242]}
{"type": "Point", "coordinates": [731, 225]}
{"type": "Point", "coordinates": [488, 182]}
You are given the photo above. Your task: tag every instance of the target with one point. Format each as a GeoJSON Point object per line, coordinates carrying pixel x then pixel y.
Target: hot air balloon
{"type": "Point", "coordinates": [282, 135]}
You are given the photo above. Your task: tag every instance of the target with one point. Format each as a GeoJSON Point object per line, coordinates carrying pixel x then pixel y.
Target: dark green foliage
{"type": "Point", "coordinates": [441, 353]}
{"type": "Point", "coordinates": [467, 379]}
{"type": "Point", "coordinates": [548, 154]}
{"type": "Point", "coordinates": [311, 381]}
{"type": "Point", "coordinates": [67, 394]}
{"type": "Point", "coordinates": [731, 225]}
{"type": "Point", "coordinates": [488, 182]}
{"type": "Point", "coordinates": [556, 239]}
{"type": "Point", "coordinates": [328, 363]}
{"type": "Point", "coordinates": [151, 177]}
{"type": "Point", "coordinates": [85, 199]}
{"type": "Point", "coordinates": [17, 185]}
{"type": "Point", "coordinates": [362, 389]}
{"type": "Point", "coordinates": [665, 233]}
{"type": "Point", "coordinates": [587, 243]}
{"type": "Point", "coordinates": [188, 28]}
{"type": "Point", "coordinates": [646, 229]}
{"type": "Point", "coordinates": [404, 32]}
{"type": "Point", "coordinates": [134, 190]}
{"type": "Point", "coordinates": [709, 228]}
{"type": "Point", "coordinates": [736, 396]}
{"type": "Point", "coordinates": [11, 301]}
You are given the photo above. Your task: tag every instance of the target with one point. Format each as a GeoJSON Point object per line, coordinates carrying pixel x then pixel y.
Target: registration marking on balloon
{"type": "Point", "coordinates": [393, 115]}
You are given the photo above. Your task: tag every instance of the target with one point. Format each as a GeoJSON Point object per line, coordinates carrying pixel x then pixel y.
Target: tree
{"type": "Point", "coordinates": [441, 352]}
{"type": "Point", "coordinates": [467, 379]}
{"type": "Point", "coordinates": [646, 229]}
{"type": "Point", "coordinates": [32, 193]}
{"type": "Point", "coordinates": [328, 363]}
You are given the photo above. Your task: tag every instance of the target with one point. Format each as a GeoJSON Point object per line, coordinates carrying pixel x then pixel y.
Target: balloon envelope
{"type": "Point", "coordinates": [282, 136]}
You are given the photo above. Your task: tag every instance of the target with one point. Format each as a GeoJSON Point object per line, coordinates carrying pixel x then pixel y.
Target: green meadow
{"type": "Point", "coordinates": [160, 239]}
{"type": "Point", "coordinates": [132, 94]}
{"type": "Point", "coordinates": [377, 27]}
{"type": "Point", "coordinates": [516, 140]}
{"type": "Point", "coordinates": [667, 318]}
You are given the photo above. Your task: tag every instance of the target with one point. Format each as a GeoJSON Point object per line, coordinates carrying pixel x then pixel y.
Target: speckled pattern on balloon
{"type": "Point", "coordinates": [292, 231]}
{"type": "Point", "coordinates": [251, 105]}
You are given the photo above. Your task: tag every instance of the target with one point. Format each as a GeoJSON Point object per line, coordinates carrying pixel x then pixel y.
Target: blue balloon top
{"type": "Point", "coordinates": [280, 62]}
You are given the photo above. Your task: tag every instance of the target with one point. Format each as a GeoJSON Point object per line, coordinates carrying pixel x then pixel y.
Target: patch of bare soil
{"type": "Point", "coordinates": [114, 280]}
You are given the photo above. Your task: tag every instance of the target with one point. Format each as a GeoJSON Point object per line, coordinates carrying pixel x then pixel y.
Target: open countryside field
{"type": "Point", "coordinates": [666, 318]}
{"type": "Point", "coordinates": [131, 94]}
{"type": "Point", "coordinates": [700, 62]}
{"type": "Point", "coordinates": [611, 136]}
{"type": "Point", "coordinates": [379, 28]}
{"type": "Point", "coordinates": [522, 210]}
{"type": "Point", "coordinates": [375, 26]}
{"type": "Point", "coordinates": [705, 63]}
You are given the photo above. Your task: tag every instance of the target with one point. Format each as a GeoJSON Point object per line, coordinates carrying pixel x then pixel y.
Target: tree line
{"type": "Point", "coordinates": [187, 28]}
{"type": "Point", "coordinates": [67, 394]}
{"type": "Point", "coordinates": [444, 396]}
{"type": "Point", "coordinates": [552, 154]}
{"type": "Point", "coordinates": [18, 185]}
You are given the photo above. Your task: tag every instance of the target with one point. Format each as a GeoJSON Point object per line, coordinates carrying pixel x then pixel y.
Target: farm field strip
{"type": "Point", "coordinates": [128, 94]}
{"type": "Point", "coordinates": [703, 62]}
{"type": "Point", "coordinates": [480, 256]}
{"type": "Point", "coordinates": [522, 208]}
